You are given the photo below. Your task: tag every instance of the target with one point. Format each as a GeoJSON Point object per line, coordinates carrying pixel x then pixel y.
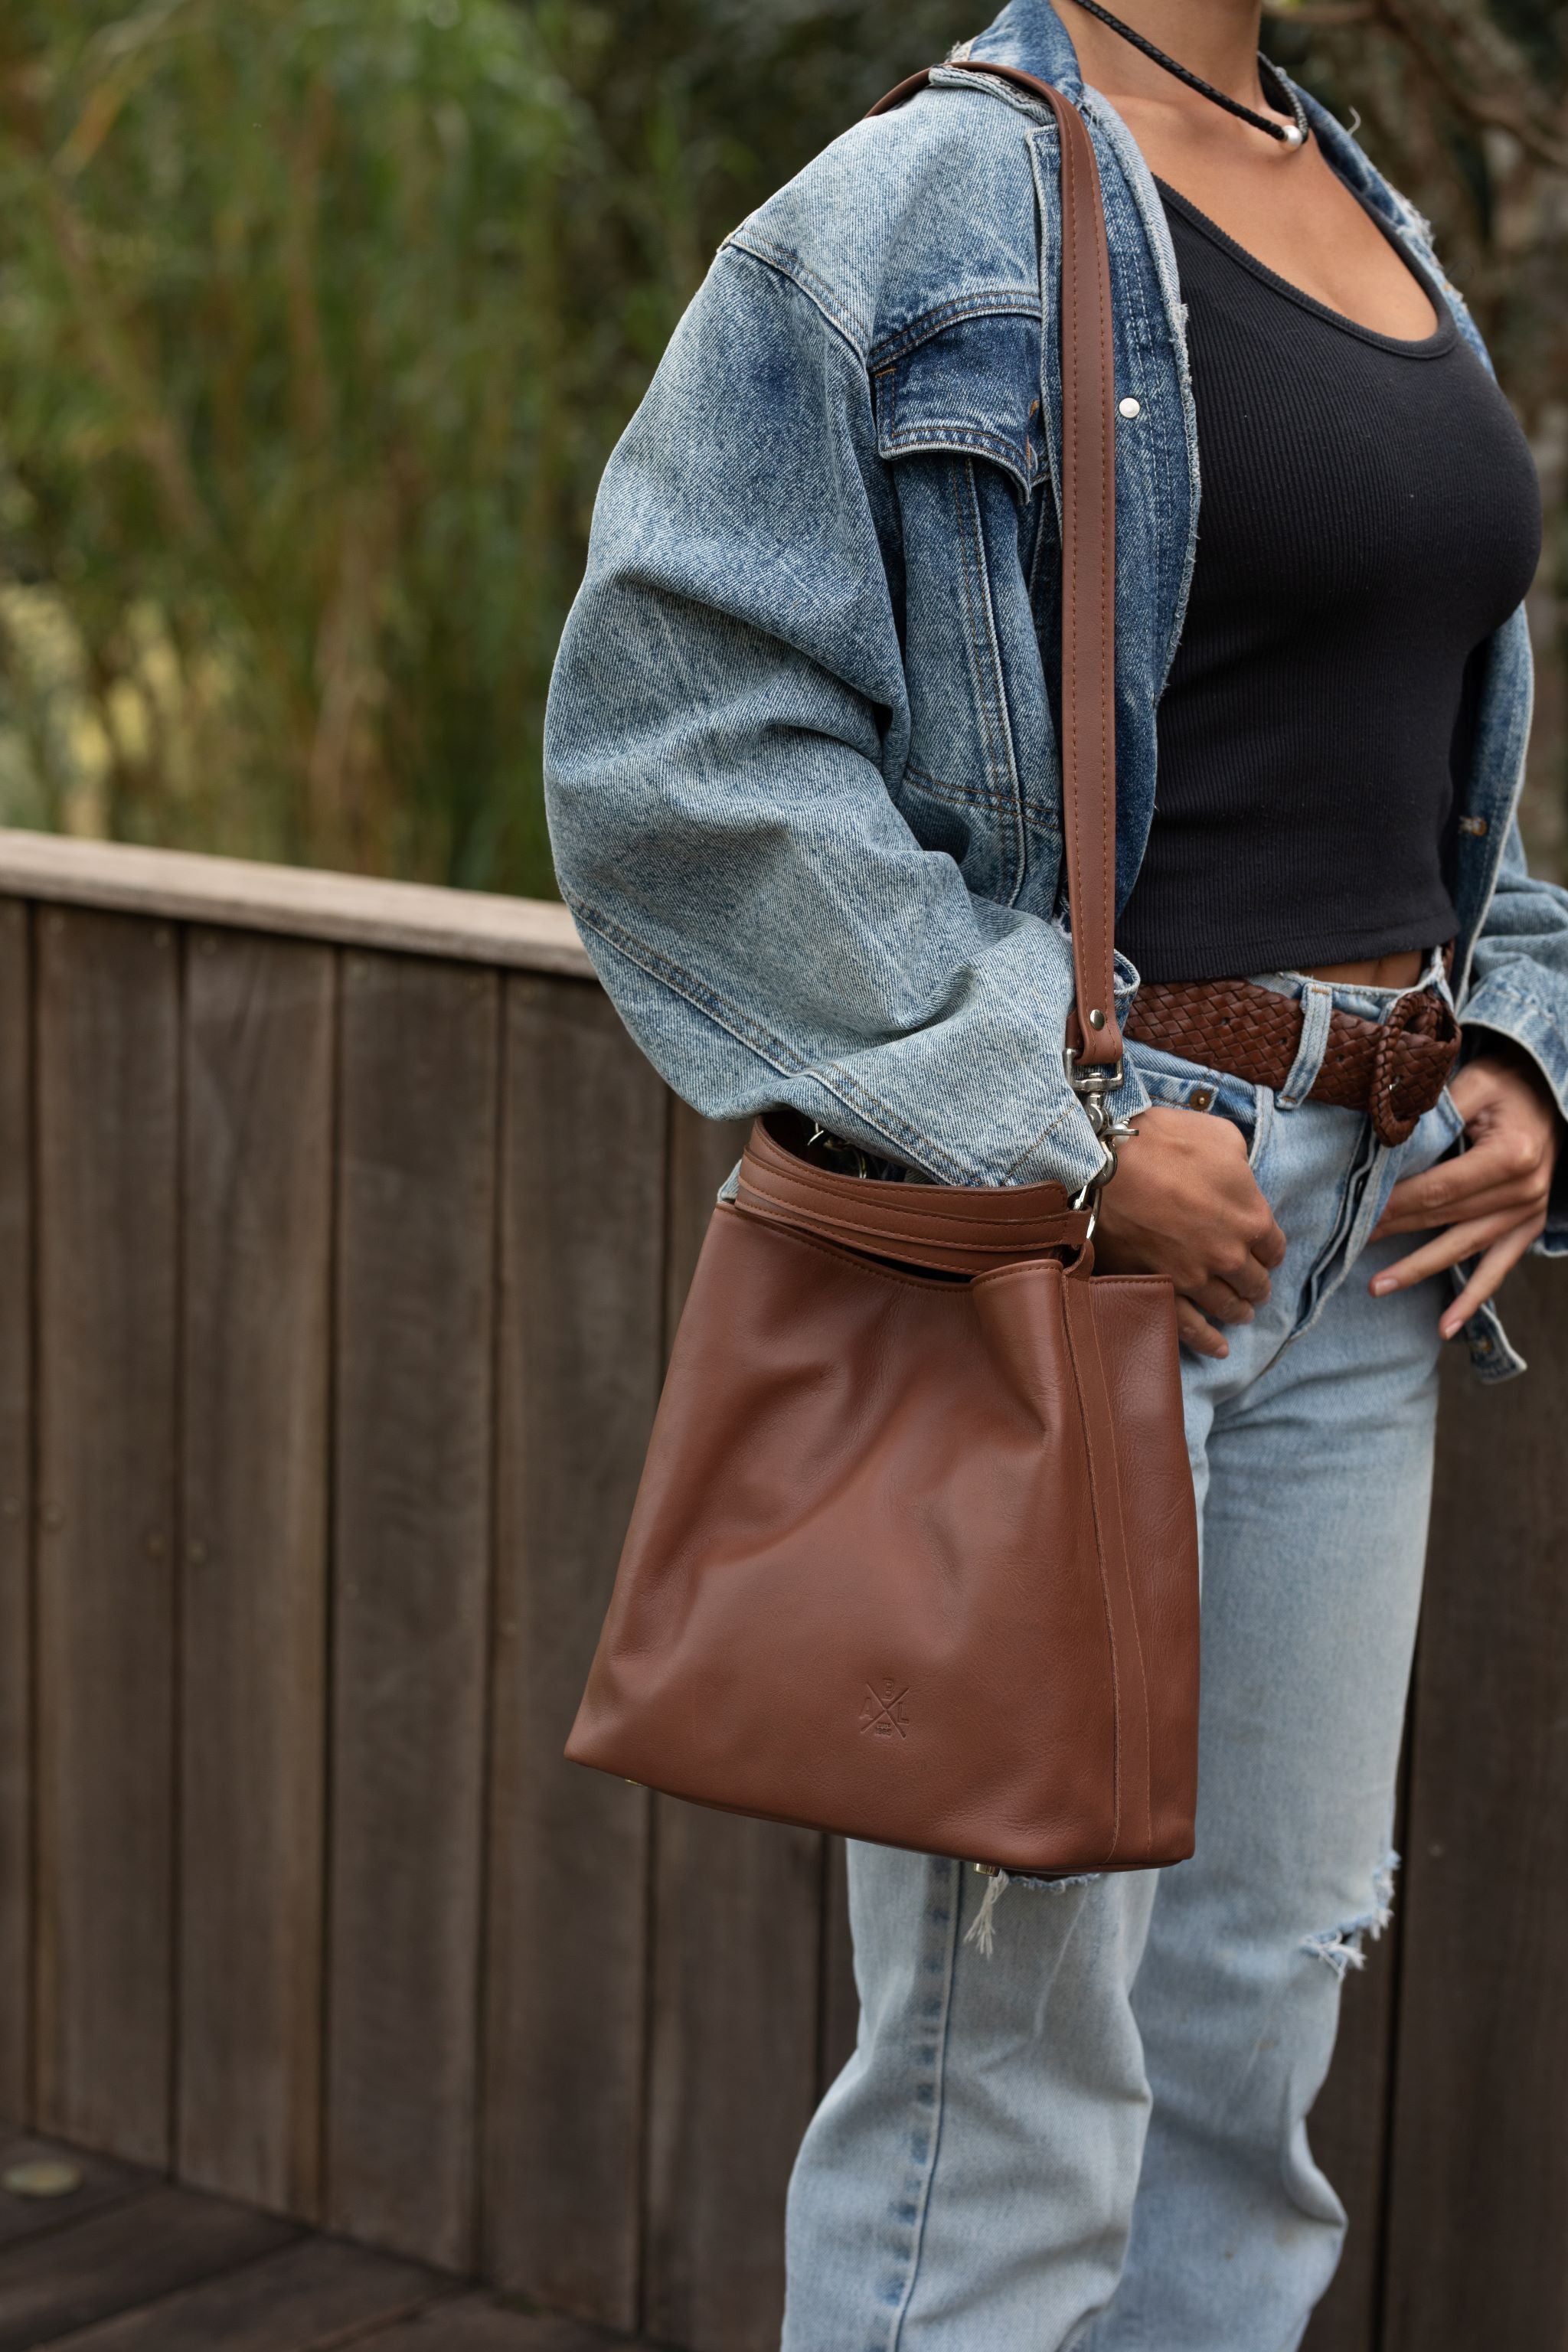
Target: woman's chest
{"type": "Point", "coordinates": [1343, 469]}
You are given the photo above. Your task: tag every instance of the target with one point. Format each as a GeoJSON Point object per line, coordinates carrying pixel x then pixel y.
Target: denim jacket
{"type": "Point", "coordinates": [801, 758]}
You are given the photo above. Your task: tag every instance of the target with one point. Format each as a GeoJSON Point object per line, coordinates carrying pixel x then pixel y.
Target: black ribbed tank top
{"type": "Point", "coordinates": [1369, 515]}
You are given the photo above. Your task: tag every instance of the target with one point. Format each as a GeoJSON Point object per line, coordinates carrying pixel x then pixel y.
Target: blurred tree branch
{"type": "Point", "coordinates": [1468, 57]}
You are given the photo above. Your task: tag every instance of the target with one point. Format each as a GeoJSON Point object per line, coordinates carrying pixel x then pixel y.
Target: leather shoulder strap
{"type": "Point", "coordinates": [1089, 566]}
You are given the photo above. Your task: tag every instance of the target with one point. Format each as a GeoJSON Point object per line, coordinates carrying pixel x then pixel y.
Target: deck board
{"type": "Point", "coordinates": [104, 2181]}
{"type": "Point", "coordinates": [145, 2245]}
{"type": "Point", "coordinates": [480, 2323]}
{"type": "Point", "coordinates": [309, 2297]}
{"type": "Point", "coordinates": [128, 2262]}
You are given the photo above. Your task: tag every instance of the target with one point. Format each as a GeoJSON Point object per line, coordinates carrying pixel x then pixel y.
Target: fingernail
{"type": "Point", "coordinates": [1382, 1284]}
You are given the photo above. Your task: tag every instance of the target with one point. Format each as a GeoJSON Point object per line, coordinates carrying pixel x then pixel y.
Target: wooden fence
{"type": "Point", "coordinates": [342, 1237]}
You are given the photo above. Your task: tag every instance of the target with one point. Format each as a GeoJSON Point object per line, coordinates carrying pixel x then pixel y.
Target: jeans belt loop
{"type": "Point", "coordinates": [1317, 1011]}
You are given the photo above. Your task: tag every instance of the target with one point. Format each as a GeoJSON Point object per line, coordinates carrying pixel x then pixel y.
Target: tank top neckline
{"type": "Point", "coordinates": [1421, 347]}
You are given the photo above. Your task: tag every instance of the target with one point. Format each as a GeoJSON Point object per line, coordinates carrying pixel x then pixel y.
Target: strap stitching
{"type": "Point", "coordinates": [1104, 1583]}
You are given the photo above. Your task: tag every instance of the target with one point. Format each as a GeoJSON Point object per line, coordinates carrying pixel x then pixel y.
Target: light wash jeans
{"type": "Point", "coordinates": [1097, 2137]}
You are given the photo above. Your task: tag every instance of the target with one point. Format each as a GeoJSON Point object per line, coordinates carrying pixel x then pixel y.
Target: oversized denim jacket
{"type": "Point", "coordinates": [802, 764]}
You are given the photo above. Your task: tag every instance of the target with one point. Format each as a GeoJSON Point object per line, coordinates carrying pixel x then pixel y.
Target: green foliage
{"type": "Point", "coordinates": [282, 443]}
{"type": "Point", "coordinates": [318, 319]}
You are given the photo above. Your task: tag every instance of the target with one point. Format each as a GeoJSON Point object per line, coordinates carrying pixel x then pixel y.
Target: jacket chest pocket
{"type": "Point", "coordinates": [958, 424]}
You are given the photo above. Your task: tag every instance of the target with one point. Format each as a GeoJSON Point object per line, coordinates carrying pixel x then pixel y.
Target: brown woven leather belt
{"type": "Point", "coordinates": [1393, 1070]}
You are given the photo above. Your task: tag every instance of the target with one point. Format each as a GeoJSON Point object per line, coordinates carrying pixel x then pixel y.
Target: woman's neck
{"type": "Point", "coordinates": [1215, 39]}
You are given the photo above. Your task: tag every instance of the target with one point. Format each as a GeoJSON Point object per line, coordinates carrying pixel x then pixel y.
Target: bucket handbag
{"type": "Point", "coordinates": [914, 1554]}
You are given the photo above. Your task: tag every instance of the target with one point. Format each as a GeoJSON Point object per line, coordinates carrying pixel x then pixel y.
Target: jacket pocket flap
{"type": "Point", "coordinates": [969, 386]}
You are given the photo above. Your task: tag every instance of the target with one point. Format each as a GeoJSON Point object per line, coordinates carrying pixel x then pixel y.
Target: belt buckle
{"type": "Point", "coordinates": [1417, 1047]}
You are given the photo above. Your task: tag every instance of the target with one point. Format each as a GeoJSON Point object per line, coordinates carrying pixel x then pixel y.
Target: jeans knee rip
{"type": "Point", "coordinates": [1344, 1947]}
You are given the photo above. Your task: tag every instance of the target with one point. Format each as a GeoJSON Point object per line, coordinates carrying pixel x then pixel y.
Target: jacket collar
{"type": "Point", "coordinates": [1354, 167]}
{"type": "Point", "coordinates": [1029, 33]}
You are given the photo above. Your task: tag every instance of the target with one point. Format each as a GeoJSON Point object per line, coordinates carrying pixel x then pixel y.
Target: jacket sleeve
{"type": "Point", "coordinates": [1519, 987]}
{"type": "Point", "coordinates": [727, 724]}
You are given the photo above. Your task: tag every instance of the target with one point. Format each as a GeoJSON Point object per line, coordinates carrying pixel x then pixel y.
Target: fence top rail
{"type": "Point", "coordinates": [416, 917]}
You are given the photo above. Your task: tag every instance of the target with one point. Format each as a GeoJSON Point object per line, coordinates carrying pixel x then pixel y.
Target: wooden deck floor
{"type": "Point", "coordinates": [123, 2262]}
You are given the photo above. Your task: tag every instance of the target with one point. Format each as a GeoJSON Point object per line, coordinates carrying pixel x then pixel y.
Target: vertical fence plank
{"type": "Point", "coordinates": [840, 1997]}
{"type": "Point", "coordinates": [15, 1511]}
{"type": "Point", "coordinates": [583, 1254]}
{"type": "Point", "coordinates": [1479, 2205]}
{"type": "Point", "coordinates": [254, 1297]}
{"type": "Point", "coordinates": [702, 1152]}
{"type": "Point", "coordinates": [737, 1972]}
{"type": "Point", "coordinates": [1350, 2140]}
{"type": "Point", "coordinates": [410, 1625]}
{"type": "Point", "coordinates": [107, 1094]}
{"type": "Point", "coordinates": [736, 1969]}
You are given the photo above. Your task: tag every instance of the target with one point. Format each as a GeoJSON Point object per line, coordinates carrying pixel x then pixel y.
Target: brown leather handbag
{"type": "Point", "coordinates": [914, 1556]}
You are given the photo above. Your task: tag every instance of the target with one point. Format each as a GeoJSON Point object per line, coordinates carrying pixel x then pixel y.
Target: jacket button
{"type": "Point", "coordinates": [1130, 407]}
{"type": "Point", "coordinates": [1472, 825]}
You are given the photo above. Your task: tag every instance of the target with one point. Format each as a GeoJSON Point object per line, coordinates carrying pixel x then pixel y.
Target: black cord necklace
{"type": "Point", "coordinates": [1293, 134]}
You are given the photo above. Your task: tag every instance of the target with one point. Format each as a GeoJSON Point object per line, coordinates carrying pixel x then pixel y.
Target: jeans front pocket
{"type": "Point", "coordinates": [1177, 1084]}
{"type": "Point", "coordinates": [1438, 1133]}
{"type": "Point", "coordinates": [1448, 1110]}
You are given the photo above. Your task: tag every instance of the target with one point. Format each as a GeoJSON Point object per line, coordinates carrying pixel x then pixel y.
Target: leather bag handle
{"type": "Point", "coordinates": [947, 1228]}
{"type": "Point", "coordinates": [1088, 567]}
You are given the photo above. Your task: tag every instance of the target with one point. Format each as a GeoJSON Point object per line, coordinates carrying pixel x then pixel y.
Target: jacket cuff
{"type": "Point", "coordinates": [1493, 1356]}
{"type": "Point", "coordinates": [1500, 1007]}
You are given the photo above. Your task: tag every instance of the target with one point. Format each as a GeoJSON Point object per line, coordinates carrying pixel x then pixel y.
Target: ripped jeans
{"type": "Point", "coordinates": [1097, 2137]}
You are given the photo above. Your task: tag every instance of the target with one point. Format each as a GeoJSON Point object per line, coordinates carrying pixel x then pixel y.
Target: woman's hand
{"type": "Point", "coordinates": [1492, 1200]}
{"type": "Point", "coordinates": [1185, 1203]}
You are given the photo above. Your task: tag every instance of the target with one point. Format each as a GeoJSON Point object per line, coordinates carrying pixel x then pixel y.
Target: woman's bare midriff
{"type": "Point", "coordinates": [1401, 970]}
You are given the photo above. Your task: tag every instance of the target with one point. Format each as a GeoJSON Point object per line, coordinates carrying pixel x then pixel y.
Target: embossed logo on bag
{"type": "Point", "coordinates": [884, 1714]}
